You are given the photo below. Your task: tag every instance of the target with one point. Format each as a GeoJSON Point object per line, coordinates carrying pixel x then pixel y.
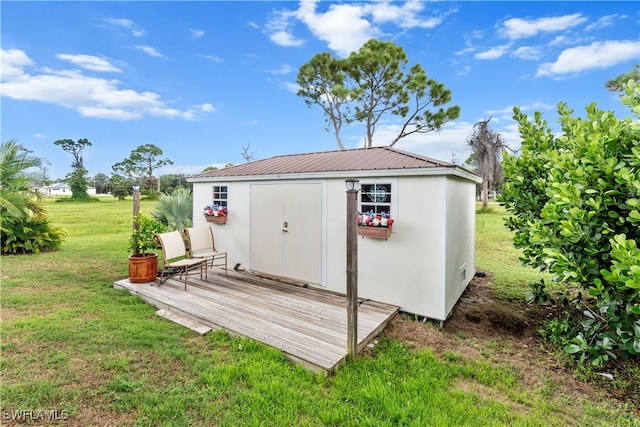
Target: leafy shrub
{"type": "Point", "coordinates": [24, 227]}
{"type": "Point", "coordinates": [558, 332]}
{"type": "Point", "coordinates": [78, 184]}
{"type": "Point", "coordinates": [484, 211]}
{"type": "Point", "coordinates": [574, 205]}
{"type": "Point", "coordinates": [67, 199]}
{"type": "Point", "coordinates": [175, 210]}
{"type": "Point", "coordinates": [142, 237]}
{"type": "Point", "coordinates": [30, 235]}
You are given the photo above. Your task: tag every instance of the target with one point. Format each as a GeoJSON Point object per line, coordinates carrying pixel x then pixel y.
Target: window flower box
{"type": "Point", "coordinates": [375, 232]}
{"type": "Point", "coordinates": [216, 214]}
{"type": "Point", "coordinates": [374, 225]}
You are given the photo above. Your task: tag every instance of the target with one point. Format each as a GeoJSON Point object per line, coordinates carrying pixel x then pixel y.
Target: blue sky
{"type": "Point", "coordinates": [203, 79]}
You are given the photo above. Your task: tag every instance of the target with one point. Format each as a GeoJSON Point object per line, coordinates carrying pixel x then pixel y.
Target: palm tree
{"type": "Point", "coordinates": [175, 210]}
{"type": "Point", "coordinates": [25, 227]}
{"type": "Point", "coordinates": [18, 200]}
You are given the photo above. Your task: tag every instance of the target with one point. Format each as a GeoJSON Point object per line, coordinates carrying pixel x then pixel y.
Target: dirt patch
{"type": "Point", "coordinates": [480, 327]}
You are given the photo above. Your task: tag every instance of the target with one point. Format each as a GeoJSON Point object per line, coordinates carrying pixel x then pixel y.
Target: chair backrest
{"type": "Point", "coordinates": [200, 239]}
{"type": "Point", "coordinates": [172, 245]}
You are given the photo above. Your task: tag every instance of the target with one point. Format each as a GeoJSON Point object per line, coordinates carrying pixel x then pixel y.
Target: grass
{"type": "Point", "coordinates": [72, 343]}
{"type": "Point", "coordinates": [495, 253]}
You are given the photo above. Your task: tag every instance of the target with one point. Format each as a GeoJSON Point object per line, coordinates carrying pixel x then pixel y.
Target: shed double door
{"type": "Point", "coordinates": [286, 230]}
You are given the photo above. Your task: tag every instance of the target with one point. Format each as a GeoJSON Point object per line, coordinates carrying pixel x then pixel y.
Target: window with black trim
{"type": "Point", "coordinates": [376, 198]}
{"type": "Point", "coordinates": [220, 193]}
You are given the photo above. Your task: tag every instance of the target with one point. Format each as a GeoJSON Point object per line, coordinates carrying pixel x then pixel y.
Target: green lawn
{"type": "Point", "coordinates": [495, 253]}
{"type": "Point", "coordinates": [99, 356]}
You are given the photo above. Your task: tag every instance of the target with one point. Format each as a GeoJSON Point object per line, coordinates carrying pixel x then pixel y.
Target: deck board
{"type": "Point", "coordinates": [308, 324]}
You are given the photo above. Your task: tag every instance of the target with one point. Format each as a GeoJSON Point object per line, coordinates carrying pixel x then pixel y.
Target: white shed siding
{"type": "Point", "coordinates": [460, 244]}
{"type": "Point", "coordinates": [408, 268]}
{"type": "Point", "coordinates": [232, 237]}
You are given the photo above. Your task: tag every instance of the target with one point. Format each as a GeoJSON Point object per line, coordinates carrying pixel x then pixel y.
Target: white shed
{"type": "Point", "coordinates": [287, 217]}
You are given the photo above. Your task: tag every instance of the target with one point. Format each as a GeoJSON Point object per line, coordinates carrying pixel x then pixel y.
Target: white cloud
{"type": "Point", "coordinates": [284, 69]}
{"type": "Point", "coordinates": [531, 53]}
{"type": "Point", "coordinates": [450, 144]}
{"type": "Point", "coordinates": [290, 87]}
{"type": "Point", "coordinates": [208, 108]}
{"type": "Point", "coordinates": [197, 33]}
{"type": "Point", "coordinates": [493, 53]}
{"type": "Point", "coordinates": [90, 62]}
{"type": "Point", "coordinates": [343, 26]}
{"type": "Point", "coordinates": [604, 22]}
{"type": "Point", "coordinates": [447, 145]}
{"type": "Point", "coordinates": [279, 29]}
{"type": "Point", "coordinates": [405, 16]}
{"type": "Point", "coordinates": [283, 38]}
{"type": "Point", "coordinates": [213, 58]}
{"type": "Point", "coordinates": [594, 56]}
{"type": "Point", "coordinates": [516, 28]}
{"type": "Point", "coordinates": [120, 22]}
{"type": "Point", "coordinates": [13, 61]}
{"type": "Point", "coordinates": [346, 27]}
{"type": "Point", "coordinates": [150, 51]}
{"type": "Point", "coordinates": [464, 71]}
{"type": "Point", "coordinates": [126, 23]}
{"type": "Point", "coordinates": [506, 114]}
{"type": "Point", "coordinates": [89, 96]}
{"type": "Point", "coordinates": [502, 114]}
{"type": "Point", "coordinates": [536, 106]}
{"type": "Point", "coordinates": [118, 114]}
{"type": "Point", "coordinates": [560, 40]}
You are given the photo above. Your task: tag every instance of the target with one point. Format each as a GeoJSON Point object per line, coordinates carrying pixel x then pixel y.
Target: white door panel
{"type": "Point", "coordinates": [266, 235]}
{"type": "Point", "coordinates": [286, 230]}
{"type": "Point", "coordinates": [302, 242]}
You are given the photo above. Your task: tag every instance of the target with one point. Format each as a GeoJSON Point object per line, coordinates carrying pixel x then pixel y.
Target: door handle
{"type": "Point", "coordinates": [285, 225]}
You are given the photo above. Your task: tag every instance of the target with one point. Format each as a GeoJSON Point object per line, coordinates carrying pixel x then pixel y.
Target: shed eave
{"type": "Point", "coordinates": [368, 173]}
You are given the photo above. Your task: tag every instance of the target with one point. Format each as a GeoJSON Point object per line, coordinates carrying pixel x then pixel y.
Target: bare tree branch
{"type": "Point", "coordinates": [248, 156]}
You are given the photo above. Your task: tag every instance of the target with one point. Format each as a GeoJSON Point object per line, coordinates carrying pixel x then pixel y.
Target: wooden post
{"type": "Point", "coordinates": [136, 211]}
{"type": "Point", "coordinates": [352, 268]}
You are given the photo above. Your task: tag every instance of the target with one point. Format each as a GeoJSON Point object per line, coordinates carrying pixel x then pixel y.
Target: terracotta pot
{"type": "Point", "coordinates": [216, 219]}
{"type": "Point", "coordinates": [376, 232]}
{"type": "Point", "coordinates": [143, 268]}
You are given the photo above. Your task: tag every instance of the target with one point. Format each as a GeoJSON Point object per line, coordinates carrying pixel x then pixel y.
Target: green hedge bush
{"type": "Point", "coordinates": [574, 201]}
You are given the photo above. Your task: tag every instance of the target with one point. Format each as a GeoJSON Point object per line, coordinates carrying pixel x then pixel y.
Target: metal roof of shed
{"type": "Point", "coordinates": [359, 159]}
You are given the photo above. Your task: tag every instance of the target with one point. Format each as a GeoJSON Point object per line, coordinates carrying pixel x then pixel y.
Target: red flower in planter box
{"type": "Point", "coordinates": [375, 220]}
{"type": "Point", "coordinates": [215, 210]}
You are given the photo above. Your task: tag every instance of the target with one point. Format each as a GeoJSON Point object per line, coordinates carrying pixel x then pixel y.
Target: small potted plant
{"type": "Point", "coordinates": [375, 225]}
{"type": "Point", "coordinates": [216, 214]}
{"type": "Point", "coordinates": [143, 264]}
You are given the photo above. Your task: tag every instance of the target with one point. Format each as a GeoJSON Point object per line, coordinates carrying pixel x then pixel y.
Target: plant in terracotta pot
{"type": "Point", "coordinates": [143, 264]}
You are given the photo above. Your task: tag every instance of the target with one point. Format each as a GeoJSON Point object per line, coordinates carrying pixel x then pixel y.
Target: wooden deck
{"type": "Point", "coordinates": [308, 325]}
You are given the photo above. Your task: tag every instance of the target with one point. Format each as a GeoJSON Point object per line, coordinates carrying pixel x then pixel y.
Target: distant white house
{"type": "Point", "coordinates": [44, 189]}
{"type": "Point", "coordinates": [62, 189]}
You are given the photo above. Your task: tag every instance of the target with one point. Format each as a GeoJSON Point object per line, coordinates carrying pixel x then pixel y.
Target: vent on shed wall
{"type": "Point", "coordinates": [463, 273]}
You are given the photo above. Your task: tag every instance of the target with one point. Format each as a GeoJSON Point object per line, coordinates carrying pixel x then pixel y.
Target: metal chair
{"type": "Point", "coordinates": [202, 245]}
{"type": "Point", "coordinates": [174, 255]}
